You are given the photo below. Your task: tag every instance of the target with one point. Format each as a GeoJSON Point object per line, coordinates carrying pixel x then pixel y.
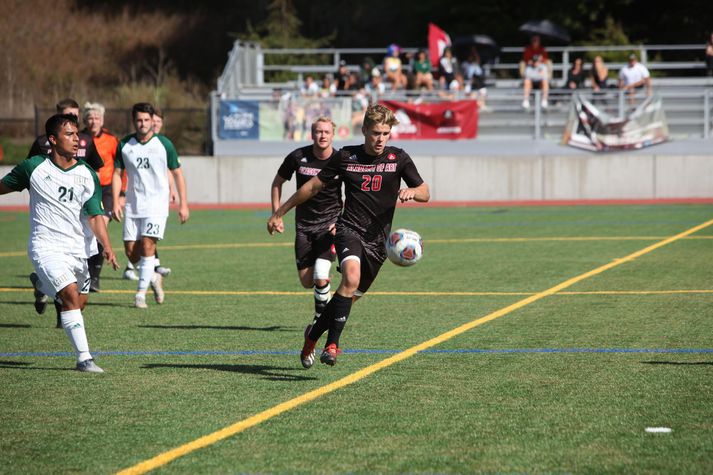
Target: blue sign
{"type": "Point", "coordinates": [239, 120]}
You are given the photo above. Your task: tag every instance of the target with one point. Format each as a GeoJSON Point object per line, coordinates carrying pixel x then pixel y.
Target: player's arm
{"type": "Point", "coordinates": [117, 213]}
{"type": "Point", "coordinates": [4, 189]}
{"type": "Point", "coordinates": [172, 193]}
{"type": "Point", "coordinates": [420, 193]}
{"type": "Point", "coordinates": [306, 191]}
{"type": "Point", "coordinates": [276, 191]}
{"type": "Point", "coordinates": [98, 227]}
{"type": "Point", "coordinates": [183, 212]}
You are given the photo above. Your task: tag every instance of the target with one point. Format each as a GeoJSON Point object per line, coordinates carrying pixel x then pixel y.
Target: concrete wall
{"type": "Point", "coordinates": [639, 175]}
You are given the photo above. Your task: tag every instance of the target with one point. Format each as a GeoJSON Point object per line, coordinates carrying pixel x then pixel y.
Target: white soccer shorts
{"type": "Point", "coordinates": [56, 271]}
{"type": "Point", "coordinates": [153, 227]}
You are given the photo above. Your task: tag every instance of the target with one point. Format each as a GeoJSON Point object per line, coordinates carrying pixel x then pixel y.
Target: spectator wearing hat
{"type": "Point", "coordinates": [393, 68]}
{"type": "Point", "coordinates": [536, 77]}
{"type": "Point", "coordinates": [634, 76]}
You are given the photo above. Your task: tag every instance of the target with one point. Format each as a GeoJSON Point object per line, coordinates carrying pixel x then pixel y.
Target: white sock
{"type": "Point", "coordinates": [73, 324]}
{"type": "Point", "coordinates": [146, 272]}
{"type": "Point", "coordinates": [130, 265]}
{"type": "Point", "coordinates": [157, 262]}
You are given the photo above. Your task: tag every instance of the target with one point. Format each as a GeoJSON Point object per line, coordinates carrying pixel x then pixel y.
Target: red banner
{"type": "Point", "coordinates": [443, 120]}
{"type": "Point", "coordinates": [437, 42]}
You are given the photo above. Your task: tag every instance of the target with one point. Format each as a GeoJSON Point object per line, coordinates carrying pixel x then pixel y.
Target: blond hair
{"type": "Point", "coordinates": [325, 119]}
{"type": "Point", "coordinates": [90, 107]}
{"type": "Point", "coordinates": [379, 114]}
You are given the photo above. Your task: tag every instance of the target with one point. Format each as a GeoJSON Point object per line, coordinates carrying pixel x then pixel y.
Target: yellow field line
{"type": "Point", "coordinates": [430, 241]}
{"type": "Point", "coordinates": [168, 456]}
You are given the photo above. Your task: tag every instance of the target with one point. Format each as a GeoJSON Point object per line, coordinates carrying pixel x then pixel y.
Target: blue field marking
{"type": "Point", "coordinates": [366, 351]}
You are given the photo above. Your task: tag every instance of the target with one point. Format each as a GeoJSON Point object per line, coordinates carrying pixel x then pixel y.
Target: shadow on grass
{"type": "Point", "coordinates": [25, 366]}
{"type": "Point", "coordinates": [49, 305]}
{"type": "Point", "coordinates": [270, 373]}
{"type": "Point", "coordinates": [15, 325]}
{"type": "Point", "coordinates": [274, 328]}
{"type": "Point", "coordinates": [680, 363]}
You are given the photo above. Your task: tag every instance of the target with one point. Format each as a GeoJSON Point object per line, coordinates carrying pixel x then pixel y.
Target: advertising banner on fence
{"type": "Point", "coordinates": [443, 120]}
{"type": "Point", "coordinates": [289, 118]}
{"type": "Point", "coordinates": [239, 120]}
{"type": "Point", "coordinates": [591, 129]}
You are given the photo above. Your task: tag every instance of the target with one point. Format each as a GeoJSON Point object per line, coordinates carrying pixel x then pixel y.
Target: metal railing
{"type": "Point", "coordinates": [249, 65]}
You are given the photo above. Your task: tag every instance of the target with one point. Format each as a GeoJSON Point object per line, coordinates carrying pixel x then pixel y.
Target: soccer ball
{"type": "Point", "coordinates": [404, 247]}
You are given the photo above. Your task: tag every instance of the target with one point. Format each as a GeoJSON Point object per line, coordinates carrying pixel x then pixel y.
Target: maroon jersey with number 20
{"type": "Point", "coordinates": [371, 188]}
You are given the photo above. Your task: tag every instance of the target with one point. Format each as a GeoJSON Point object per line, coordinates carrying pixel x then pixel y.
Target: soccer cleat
{"type": "Point", "coordinates": [164, 271]}
{"type": "Point", "coordinates": [157, 287]}
{"type": "Point", "coordinates": [140, 301]}
{"type": "Point", "coordinates": [130, 274]}
{"type": "Point", "coordinates": [88, 366]}
{"type": "Point", "coordinates": [40, 298]}
{"type": "Point", "coordinates": [307, 353]}
{"type": "Point", "coordinates": [329, 355]}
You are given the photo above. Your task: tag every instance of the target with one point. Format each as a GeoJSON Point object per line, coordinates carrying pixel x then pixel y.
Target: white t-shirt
{"type": "Point", "coordinates": [60, 201]}
{"type": "Point", "coordinates": [147, 165]}
{"type": "Point", "coordinates": [634, 73]}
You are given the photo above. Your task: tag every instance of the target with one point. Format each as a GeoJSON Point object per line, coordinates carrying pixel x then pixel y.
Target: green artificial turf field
{"type": "Point", "coordinates": [565, 382]}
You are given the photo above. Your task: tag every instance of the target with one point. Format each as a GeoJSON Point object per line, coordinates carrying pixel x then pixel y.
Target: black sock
{"type": "Point", "coordinates": [58, 309]}
{"type": "Point", "coordinates": [96, 262]}
{"type": "Point", "coordinates": [342, 307]}
{"type": "Point", "coordinates": [321, 324]}
{"type": "Point", "coordinates": [320, 305]}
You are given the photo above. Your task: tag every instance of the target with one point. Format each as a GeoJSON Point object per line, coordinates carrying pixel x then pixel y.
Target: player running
{"type": "Point", "coordinates": [372, 175]}
{"type": "Point", "coordinates": [147, 159]}
{"type": "Point", "coordinates": [65, 198]}
{"type": "Point", "coordinates": [316, 218]}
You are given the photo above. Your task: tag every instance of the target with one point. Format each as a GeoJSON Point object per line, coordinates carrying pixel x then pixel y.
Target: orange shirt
{"type": "Point", "coordinates": [106, 144]}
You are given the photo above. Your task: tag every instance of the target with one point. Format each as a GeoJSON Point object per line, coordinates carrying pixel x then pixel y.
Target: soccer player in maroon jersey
{"type": "Point", "coordinates": [372, 175]}
{"type": "Point", "coordinates": [315, 219]}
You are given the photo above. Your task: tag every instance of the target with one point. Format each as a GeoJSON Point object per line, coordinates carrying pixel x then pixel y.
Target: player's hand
{"type": "Point", "coordinates": [183, 214]}
{"type": "Point", "coordinates": [111, 258]}
{"type": "Point", "coordinates": [275, 223]}
{"type": "Point", "coordinates": [406, 194]}
{"type": "Point", "coordinates": [117, 213]}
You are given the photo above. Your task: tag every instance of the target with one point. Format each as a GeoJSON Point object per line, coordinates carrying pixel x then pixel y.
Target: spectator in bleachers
{"type": "Point", "coordinates": [533, 48]}
{"type": "Point", "coordinates": [709, 56]}
{"type": "Point", "coordinates": [536, 77]}
{"type": "Point", "coordinates": [393, 68]}
{"type": "Point", "coordinates": [599, 74]}
{"type": "Point", "coordinates": [376, 85]}
{"type": "Point", "coordinates": [342, 76]}
{"type": "Point", "coordinates": [575, 75]}
{"type": "Point", "coordinates": [474, 77]}
{"type": "Point", "coordinates": [423, 77]}
{"type": "Point", "coordinates": [328, 87]}
{"type": "Point", "coordinates": [310, 88]}
{"type": "Point", "coordinates": [456, 88]}
{"type": "Point", "coordinates": [634, 76]}
{"type": "Point", "coordinates": [447, 68]}
{"type": "Point", "coordinates": [365, 71]}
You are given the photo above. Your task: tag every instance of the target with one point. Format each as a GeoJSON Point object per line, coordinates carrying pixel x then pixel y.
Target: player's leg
{"type": "Point", "coordinates": [163, 270]}
{"type": "Point", "coordinates": [323, 249]}
{"type": "Point", "coordinates": [61, 277]}
{"type": "Point", "coordinates": [152, 231]}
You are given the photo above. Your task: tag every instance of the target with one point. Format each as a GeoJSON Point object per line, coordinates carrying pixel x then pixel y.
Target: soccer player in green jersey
{"type": "Point", "coordinates": [65, 200]}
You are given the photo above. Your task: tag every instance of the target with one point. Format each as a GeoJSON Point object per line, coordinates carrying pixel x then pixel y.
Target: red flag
{"type": "Point", "coordinates": [437, 42]}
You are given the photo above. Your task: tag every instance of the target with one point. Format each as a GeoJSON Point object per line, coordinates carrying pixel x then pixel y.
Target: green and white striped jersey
{"type": "Point", "coordinates": [146, 165]}
{"type": "Point", "coordinates": [60, 201]}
